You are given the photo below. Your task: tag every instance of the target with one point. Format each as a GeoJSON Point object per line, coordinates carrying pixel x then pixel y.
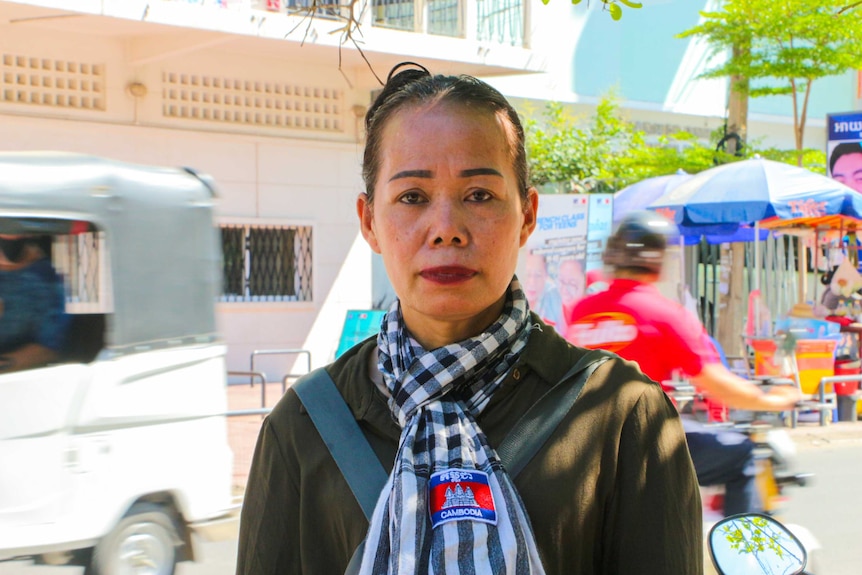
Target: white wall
{"type": "Point", "coordinates": [264, 174]}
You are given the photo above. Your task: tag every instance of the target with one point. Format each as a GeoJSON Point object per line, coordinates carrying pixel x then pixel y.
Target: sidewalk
{"type": "Point", "coordinates": [807, 435]}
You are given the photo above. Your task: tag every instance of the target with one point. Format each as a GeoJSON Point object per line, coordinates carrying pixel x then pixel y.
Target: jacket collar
{"type": "Point", "coordinates": [544, 355]}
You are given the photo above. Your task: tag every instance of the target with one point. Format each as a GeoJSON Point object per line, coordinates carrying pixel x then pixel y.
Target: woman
{"type": "Point", "coordinates": [458, 360]}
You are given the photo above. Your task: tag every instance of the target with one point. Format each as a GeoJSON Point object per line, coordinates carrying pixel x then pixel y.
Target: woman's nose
{"type": "Point", "coordinates": [448, 225]}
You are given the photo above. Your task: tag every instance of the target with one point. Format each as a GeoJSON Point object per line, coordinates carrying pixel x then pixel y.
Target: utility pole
{"type": "Point", "coordinates": [731, 303]}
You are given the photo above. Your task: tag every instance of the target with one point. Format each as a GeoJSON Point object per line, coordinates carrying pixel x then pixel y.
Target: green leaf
{"type": "Point", "coordinates": [780, 48]}
{"type": "Point", "coordinates": [616, 11]}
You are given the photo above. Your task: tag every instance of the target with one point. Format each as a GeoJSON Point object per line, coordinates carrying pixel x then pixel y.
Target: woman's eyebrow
{"type": "Point", "coordinates": [480, 172]}
{"type": "Point", "coordinates": [429, 174]}
{"type": "Point", "coordinates": [412, 174]}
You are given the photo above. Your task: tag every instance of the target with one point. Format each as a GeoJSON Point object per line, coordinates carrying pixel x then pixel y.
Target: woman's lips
{"type": "Point", "coordinates": [447, 274]}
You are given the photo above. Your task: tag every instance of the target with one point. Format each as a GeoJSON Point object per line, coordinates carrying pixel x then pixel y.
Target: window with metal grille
{"type": "Point", "coordinates": [81, 259]}
{"type": "Point", "coordinates": [501, 21]}
{"type": "Point", "coordinates": [326, 8]}
{"type": "Point", "coordinates": [444, 17]}
{"type": "Point", "coordinates": [266, 263]}
{"type": "Point", "coordinates": [398, 14]}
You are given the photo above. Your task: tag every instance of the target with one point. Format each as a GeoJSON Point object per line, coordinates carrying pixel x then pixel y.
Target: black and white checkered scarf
{"type": "Point", "coordinates": [436, 397]}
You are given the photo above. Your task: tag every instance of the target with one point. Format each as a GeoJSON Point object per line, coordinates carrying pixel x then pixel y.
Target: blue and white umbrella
{"type": "Point", "coordinates": [641, 195]}
{"type": "Point", "coordinates": [755, 190]}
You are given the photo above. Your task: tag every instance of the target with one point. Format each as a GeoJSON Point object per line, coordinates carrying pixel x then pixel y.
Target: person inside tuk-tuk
{"type": "Point", "coordinates": [33, 321]}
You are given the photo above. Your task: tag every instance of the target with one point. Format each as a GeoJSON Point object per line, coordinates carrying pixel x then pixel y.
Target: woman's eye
{"type": "Point", "coordinates": [480, 196]}
{"type": "Point", "coordinates": [410, 198]}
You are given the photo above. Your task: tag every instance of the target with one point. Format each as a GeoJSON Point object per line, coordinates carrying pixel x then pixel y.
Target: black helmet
{"type": "Point", "coordinates": [639, 241]}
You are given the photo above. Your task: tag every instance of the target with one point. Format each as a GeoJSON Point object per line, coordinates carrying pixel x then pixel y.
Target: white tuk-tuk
{"type": "Point", "coordinates": [116, 452]}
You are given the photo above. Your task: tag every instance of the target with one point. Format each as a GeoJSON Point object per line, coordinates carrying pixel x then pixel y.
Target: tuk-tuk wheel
{"type": "Point", "coordinates": [144, 542]}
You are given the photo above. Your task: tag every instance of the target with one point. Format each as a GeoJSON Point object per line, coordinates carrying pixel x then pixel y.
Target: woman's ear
{"type": "Point", "coordinates": [365, 212]}
{"type": "Point", "coordinates": [531, 210]}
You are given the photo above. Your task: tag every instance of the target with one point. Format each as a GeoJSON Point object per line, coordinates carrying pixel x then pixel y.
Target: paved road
{"type": "Point", "coordinates": [831, 507]}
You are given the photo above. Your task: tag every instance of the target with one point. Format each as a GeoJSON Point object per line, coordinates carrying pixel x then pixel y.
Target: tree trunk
{"type": "Point", "coordinates": [731, 303]}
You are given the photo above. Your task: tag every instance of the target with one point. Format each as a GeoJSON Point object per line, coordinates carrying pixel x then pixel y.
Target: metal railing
{"type": "Point", "coordinates": [251, 375]}
{"type": "Point", "coordinates": [241, 412]}
{"type": "Point", "coordinates": [825, 406]}
{"type": "Point", "coordinates": [254, 374]}
{"type": "Point", "coordinates": [496, 21]}
{"type": "Point", "coordinates": [259, 352]}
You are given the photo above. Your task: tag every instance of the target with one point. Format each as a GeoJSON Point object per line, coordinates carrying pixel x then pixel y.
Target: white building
{"type": "Point", "coordinates": [256, 99]}
{"type": "Point", "coordinates": [250, 91]}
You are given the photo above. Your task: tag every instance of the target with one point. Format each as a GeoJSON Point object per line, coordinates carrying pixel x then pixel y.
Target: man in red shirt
{"type": "Point", "coordinates": [632, 319]}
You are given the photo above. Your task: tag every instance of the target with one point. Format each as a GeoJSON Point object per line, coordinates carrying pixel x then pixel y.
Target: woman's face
{"type": "Point", "coordinates": [448, 218]}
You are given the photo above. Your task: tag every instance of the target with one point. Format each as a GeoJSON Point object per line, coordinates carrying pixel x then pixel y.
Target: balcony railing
{"type": "Point", "coordinates": [499, 21]}
{"type": "Point", "coordinates": [496, 21]}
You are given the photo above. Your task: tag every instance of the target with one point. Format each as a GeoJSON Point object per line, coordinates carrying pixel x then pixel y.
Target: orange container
{"type": "Point", "coordinates": [814, 360]}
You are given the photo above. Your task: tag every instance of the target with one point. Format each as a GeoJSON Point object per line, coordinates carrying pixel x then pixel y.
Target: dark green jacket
{"type": "Point", "coordinates": [613, 492]}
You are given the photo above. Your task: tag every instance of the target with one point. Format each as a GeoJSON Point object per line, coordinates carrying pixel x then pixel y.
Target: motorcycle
{"type": "Point", "coordinates": [775, 455]}
{"type": "Point", "coordinates": [754, 543]}
{"type": "Point", "coordinates": [775, 452]}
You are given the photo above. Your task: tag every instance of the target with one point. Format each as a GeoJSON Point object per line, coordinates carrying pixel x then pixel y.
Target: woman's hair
{"type": "Point", "coordinates": [843, 149]}
{"type": "Point", "coordinates": [410, 84]}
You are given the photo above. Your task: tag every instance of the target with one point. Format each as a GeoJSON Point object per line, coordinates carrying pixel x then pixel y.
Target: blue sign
{"type": "Point", "coordinates": [844, 126]}
{"type": "Point", "coordinates": [359, 324]}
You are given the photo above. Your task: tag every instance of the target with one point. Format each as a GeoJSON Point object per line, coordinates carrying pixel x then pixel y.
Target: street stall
{"type": "Point", "coordinates": [772, 195]}
{"type": "Point", "coordinates": [836, 303]}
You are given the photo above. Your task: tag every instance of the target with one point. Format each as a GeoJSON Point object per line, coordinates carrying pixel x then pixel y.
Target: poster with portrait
{"type": "Point", "coordinates": [551, 266]}
{"type": "Point", "coordinates": [844, 164]}
{"type": "Point", "coordinates": [844, 148]}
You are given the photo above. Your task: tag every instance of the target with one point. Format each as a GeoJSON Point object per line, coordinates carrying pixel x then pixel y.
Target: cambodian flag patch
{"type": "Point", "coordinates": [459, 494]}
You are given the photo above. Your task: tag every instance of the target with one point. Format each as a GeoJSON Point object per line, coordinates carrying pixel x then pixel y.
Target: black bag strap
{"type": "Point", "coordinates": [365, 474]}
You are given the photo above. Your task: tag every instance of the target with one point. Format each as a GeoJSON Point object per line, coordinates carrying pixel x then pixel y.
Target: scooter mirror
{"type": "Point", "coordinates": [752, 544]}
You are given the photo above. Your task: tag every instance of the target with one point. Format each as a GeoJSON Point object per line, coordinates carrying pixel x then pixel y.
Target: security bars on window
{"type": "Point", "coordinates": [442, 17]}
{"type": "Point", "coordinates": [81, 259]}
{"type": "Point", "coordinates": [267, 263]}
{"type": "Point", "coordinates": [501, 21]}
